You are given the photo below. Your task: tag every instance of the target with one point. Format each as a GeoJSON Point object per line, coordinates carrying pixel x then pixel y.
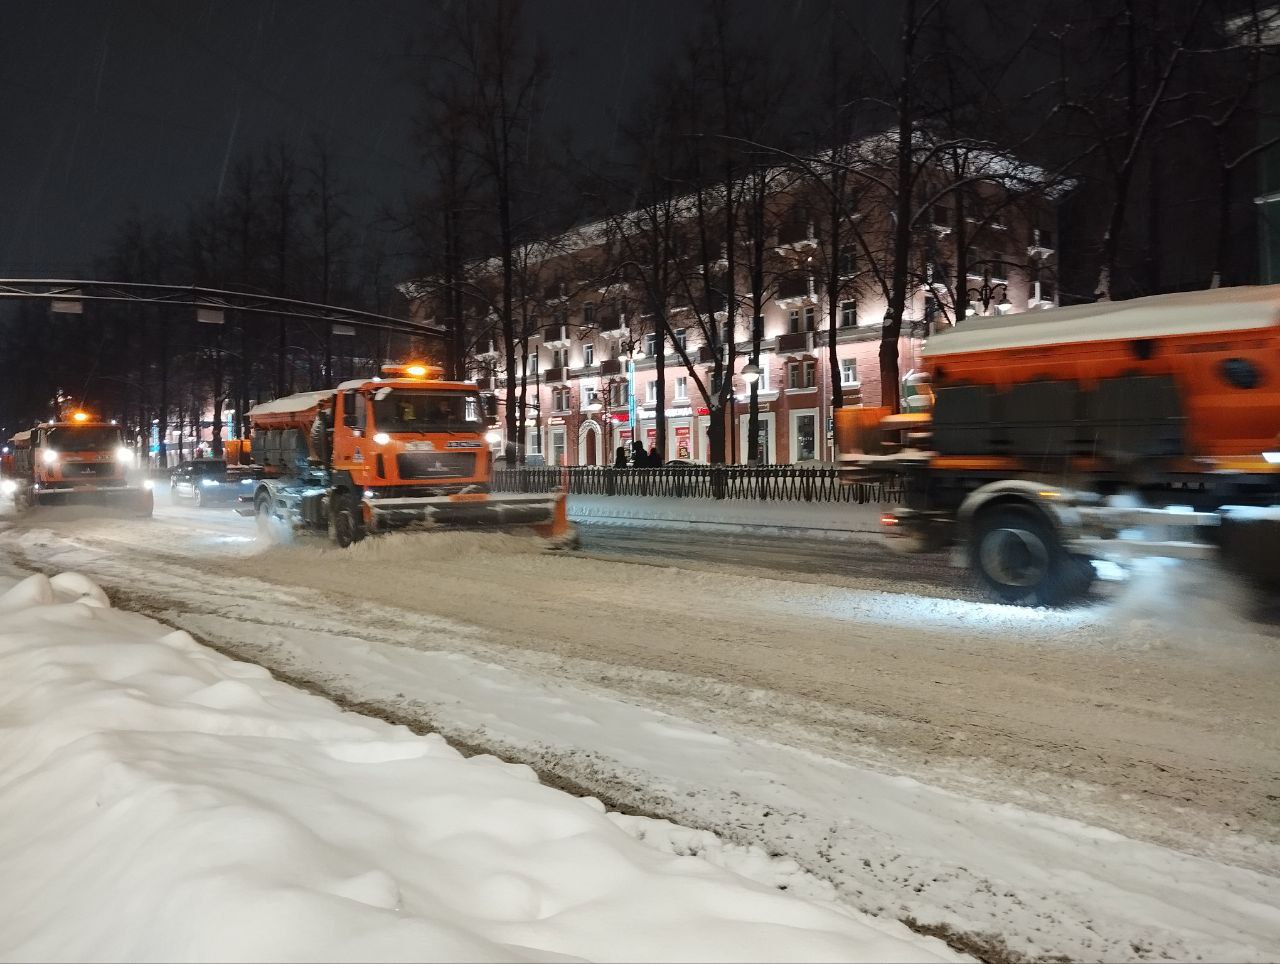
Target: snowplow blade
{"type": "Point", "coordinates": [131, 498]}
{"type": "Point", "coordinates": [543, 513]}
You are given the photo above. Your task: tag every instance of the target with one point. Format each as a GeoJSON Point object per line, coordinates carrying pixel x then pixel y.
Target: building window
{"type": "Point", "coordinates": [560, 399]}
{"type": "Point", "coordinates": [680, 339]}
{"type": "Point", "coordinates": [590, 396]}
{"type": "Point", "coordinates": [848, 371]}
{"type": "Point", "coordinates": [793, 321]}
{"type": "Point", "coordinates": [617, 394]}
{"type": "Point", "coordinates": [846, 263]}
{"type": "Point", "coordinates": [559, 357]}
{"type": "Point", "coordinates": [941, 216]}
{"type": "Point", "coordinates": [682, 388]}
{"type": "Point", "coordinates": [800, 375]}
{"type": "Point", "coordinates": [651, 392]}
{"type": "Point", "coordinates": [808, 318]}
{"type": "Point", "coordinates": [531, 365]}
{"type": "Point", "coordinates": [588, 355]}
{"type": "Point", "coordinates": [534, 438]}
{"type": "Point", "coordinates": [848, 314]}
{"type": "Point", "coordinates": [588, 314]}
{"type": "Point", "coordinates": [650, 343]}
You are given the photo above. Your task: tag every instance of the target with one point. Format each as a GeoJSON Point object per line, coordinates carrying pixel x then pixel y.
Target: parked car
{"type": "Point", "coordinates": [203, 482]}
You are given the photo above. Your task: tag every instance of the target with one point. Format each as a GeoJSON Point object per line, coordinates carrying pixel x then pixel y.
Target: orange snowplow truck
{"type": "Point", "coordinates": [78, 461]}
{"type": "Point", "coordinates": [387, 453]}
{"type": "Point", "coordinates": [1148, 427]}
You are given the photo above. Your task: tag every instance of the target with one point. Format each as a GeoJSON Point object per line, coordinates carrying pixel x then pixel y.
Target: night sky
{"type": "Point", "coordinates": [143, 105]}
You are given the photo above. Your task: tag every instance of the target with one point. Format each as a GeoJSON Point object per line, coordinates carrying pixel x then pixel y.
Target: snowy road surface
{"type": "Point", "coordinates": [1100, 783]}
{"type": "Point", "coordinates": [209, 812]}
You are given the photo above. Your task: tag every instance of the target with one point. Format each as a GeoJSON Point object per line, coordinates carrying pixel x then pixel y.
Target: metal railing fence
{"type": "Point", "coordinates": [774, 483]}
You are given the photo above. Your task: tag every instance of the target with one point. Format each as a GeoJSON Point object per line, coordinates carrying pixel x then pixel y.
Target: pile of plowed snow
{"type": "Point", "coordinates": [160, 802]}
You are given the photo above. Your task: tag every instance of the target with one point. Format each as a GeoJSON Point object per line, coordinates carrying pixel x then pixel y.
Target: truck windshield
{"type": "Point", "coordinates": [401, 410]}
{"type": "Point", "coordinates": [83, 438]}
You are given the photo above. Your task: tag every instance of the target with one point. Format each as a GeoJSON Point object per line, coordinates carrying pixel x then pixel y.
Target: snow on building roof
{"type": "Point", "coordinates": [1183, 313]}
{"type": "Point", "coordinates": [291, 403]}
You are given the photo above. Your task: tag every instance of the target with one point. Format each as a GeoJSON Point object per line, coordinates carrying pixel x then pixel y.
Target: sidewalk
{"type": "Point", "coordinates": [811, 520]}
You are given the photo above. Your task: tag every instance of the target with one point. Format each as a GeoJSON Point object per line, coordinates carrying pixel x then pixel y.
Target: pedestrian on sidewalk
{"type": "Point", "coordinates": [620, 457]}
{"type": "Point", "coordinates": [654, 460]}
{"type": "Point", "coordinates": [638, 459]}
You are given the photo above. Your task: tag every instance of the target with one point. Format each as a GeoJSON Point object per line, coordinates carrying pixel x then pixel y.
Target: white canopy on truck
{"type": "Point", "coordinates": [291, 404]}
{"type": "Point", "coordinates": [1182, 313]}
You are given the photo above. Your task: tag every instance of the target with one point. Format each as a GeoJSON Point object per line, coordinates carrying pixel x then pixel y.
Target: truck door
{"type": "Point", "coordinates": [350, 446]}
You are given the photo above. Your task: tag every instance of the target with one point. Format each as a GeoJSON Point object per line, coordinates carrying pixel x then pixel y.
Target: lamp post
{"type": "Point", "coordinates": [985, 294]}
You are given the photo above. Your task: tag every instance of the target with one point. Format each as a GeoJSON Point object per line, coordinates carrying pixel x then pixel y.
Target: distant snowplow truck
{"type": "Point", "coordinates": [1148, 427]}
{"type": "Point", "coordinates": [387, 453]}
{"type": "Point", "coordinates": [77, 461]}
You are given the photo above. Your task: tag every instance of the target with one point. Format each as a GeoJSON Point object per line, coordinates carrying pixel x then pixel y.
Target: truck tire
{"type": "Point", "coordinates": [1020, 561]}
{"type": "Point", "coordinates": [348, 526]}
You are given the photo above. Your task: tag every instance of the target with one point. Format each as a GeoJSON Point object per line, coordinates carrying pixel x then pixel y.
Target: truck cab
{"type": "Point", "coordinates": [80, 459]}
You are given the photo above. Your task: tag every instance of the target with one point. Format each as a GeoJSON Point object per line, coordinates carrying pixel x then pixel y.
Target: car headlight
{"type": "Point", "coordinates": [493, 436]}
{"type": "Point", "coordinates": [124, 454]}
{"type": "Point", "coordinates": [382, 438]}
{"type": "Point", "coordinates": [209, 482]}
{"type": "Point", "coordinates": [50, 456]}
{"type": "Point", "coordinates": [148, 484]}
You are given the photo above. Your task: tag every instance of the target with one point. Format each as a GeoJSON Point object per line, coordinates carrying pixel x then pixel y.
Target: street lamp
{"type": "Point", "coordinates": [985, 294]}
{"type": "Point", "coordinates": [750, 373]}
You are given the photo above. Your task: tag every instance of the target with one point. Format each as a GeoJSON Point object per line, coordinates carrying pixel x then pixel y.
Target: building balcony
{"type": "Point", "coordinates": [557, 336]}
{"type": "Point", "coordinates": [613, 326]}
{"type": "Point", "coordinates": [554, 376]}
{"type": "Point", "coordinates": [793, 292]}
{"type": "Point", "coordinates": [793, 237]}
{"type": "Point", "coordinates": [795, 343]}
{"type": "Point", "coordinates": [706, 356]}
{"type": "Point", "coordinates": [610, 367]}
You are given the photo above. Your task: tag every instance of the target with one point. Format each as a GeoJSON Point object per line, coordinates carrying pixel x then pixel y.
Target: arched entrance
{"type": "Point", "coordinates": [589, 443]}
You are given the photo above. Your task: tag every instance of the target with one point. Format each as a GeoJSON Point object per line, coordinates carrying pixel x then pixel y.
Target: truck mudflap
{"type": "Point", "coordinates": [543, 513]}
{"type": "Point", "coordinates": [1249, 540]}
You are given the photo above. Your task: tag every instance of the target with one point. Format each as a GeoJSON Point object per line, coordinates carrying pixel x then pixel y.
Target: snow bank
{"type": "Point", "coordinates": [160, 801]}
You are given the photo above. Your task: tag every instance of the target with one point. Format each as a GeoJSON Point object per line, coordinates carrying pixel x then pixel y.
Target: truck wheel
{"type": "Point", "coordinates": [269, 528]}
{"type": "Point", "coordinates": [1021, 561]}
{"type": "Point", "coordinates": [348, 527]}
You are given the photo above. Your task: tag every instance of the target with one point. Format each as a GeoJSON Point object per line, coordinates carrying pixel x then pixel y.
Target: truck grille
{"type": "Point", "coordinates": [436, 465]}
{"type": "Point", "coordinates": [87, 470]}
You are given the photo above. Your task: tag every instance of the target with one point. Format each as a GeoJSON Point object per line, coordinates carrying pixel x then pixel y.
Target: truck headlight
{"type": "Point", "coordinates": [382, 438]}
{"type": "Point", "coordinates": [8, 486]}
{"type": "Point", "coordinates": [50, 456]}
{"type": "Point", "coordinates": [124, 454]}
{"type": "Point", "coordinates": [493, 436]}
{"type": "Point", "coordinates": [209, 482]}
